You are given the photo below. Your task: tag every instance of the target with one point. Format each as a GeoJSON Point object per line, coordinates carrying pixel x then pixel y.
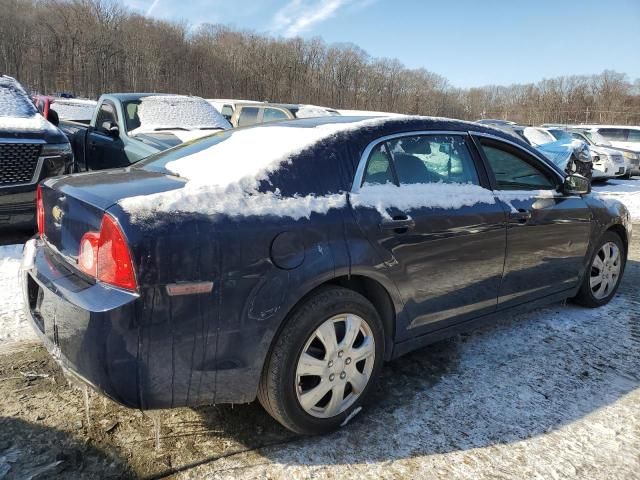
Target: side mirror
{"type": "Point", "coordinates": [52, 117]}
{"type": "Point", "coordinates": [575, 184]}
{"type": "Point", "coordinates": [110, 128]}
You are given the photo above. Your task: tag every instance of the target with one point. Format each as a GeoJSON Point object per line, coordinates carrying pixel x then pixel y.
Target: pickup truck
{"type": "Point", "coordinates": [127, 127]}
{"type": "Point", "coordinates": [31, 149]}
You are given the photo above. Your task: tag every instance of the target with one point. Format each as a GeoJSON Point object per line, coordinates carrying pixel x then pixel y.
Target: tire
{"type": "Point", "coordinates": [599, 295]}
{"type": "Point", "coordinates": [281, 387]}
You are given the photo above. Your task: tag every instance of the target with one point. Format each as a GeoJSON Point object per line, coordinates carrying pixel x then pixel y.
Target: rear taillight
{"type": "Point", "coordinates": [88, 255]}
{"type": "Point", "coordinates": [39, 211]}
{"type": "Point", "coordinates": [106, 257]}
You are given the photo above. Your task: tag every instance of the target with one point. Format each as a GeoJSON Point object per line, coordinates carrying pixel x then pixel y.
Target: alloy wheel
{"type": "Point", "coordinates": [335, 365]}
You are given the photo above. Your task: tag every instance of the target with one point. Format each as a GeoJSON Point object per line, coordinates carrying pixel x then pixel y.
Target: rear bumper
{"type": "Point", "coordinates": [87, 328]}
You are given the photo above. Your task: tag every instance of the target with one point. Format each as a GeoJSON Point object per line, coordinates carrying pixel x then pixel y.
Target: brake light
{"type": "Point", "coordinates": [39, 211]}
{"type": "Point", "coordinates": [106, 257]}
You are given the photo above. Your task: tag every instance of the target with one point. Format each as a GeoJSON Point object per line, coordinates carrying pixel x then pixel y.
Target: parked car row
{"type": "Point", "coordinates": [614, 150]}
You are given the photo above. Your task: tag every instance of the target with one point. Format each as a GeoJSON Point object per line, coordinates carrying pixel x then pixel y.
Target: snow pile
{"type": "Point", "coordinates": [308, 111]}
{"type": "Point", "coordinates": [626, 191]}
{"type": "Point", "coordinates": [177, 111]}
{"type": "Point", "coordinates": [422, 195]}
{"type": "Point", "coordinates": [13, 323]}
{"type": "Point", "coordinates": [224, 178]}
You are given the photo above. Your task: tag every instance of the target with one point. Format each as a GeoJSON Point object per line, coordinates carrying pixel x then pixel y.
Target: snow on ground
{"type": "Point", "coordinates": [548, 394]}
{"type": "Point", "coordinates": [13, 324]}
{"type": "Point", "coordinates": [626, 191]}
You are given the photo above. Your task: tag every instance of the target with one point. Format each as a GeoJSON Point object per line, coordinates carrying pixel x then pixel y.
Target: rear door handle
{"type": "Point", "coordinates": [521, 216]}
{"type": "Point", "coordinates": [399, 223]}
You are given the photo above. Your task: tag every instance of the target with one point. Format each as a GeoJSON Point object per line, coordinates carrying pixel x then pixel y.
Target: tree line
{"type": "Point", "coordinates": [89, 47]}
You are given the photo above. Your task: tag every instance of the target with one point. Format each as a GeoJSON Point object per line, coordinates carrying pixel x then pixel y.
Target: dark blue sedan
{"type": "Point", "coordinates": [288, 261]}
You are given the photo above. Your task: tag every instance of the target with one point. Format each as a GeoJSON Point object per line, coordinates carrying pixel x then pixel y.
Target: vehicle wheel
{"type": "Point", "coordinates": [602, 278]}
{"type": "Point", "coordinates": [324, 363]}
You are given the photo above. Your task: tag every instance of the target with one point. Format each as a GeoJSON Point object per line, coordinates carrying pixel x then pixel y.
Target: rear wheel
{"type": "Point", "coordinates": [324, 363]}
{"type": "Point", "coordinates": [602, 279]}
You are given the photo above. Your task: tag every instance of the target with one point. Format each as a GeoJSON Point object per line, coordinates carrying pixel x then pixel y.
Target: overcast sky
{"type": "Point", "coordinates": [471, 43]}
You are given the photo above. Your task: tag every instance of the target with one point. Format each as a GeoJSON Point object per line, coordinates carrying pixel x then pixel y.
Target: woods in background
{"type": "Point", "coordinates": [93, 46]}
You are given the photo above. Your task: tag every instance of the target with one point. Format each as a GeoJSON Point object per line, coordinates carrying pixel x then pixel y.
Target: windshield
{"type": "Point", "coordinates": [538, 136]}
{"type": "Point", "coordinates": [14, 102]}
{"type": "Point", "coordinates": [172, 112]}
{"type": "Point", "coordinates": [560, 134]}
{"type": "Point", "coordinates": [596, 138]}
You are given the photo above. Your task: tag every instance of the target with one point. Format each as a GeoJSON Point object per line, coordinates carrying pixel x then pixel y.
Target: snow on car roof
{"type": "Point", "coordinates": [225, 176]}
{"type": "Point", "coordinates": [160, 112]}
{"type": "Point", "coordinates": [14, 101]}
{"type": "Point", "coordinates": [17, 111]}
{"type": "Point", "coordinates": [308, 111]}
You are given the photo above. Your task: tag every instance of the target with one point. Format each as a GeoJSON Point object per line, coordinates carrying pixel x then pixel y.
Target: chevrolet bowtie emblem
{"type": "Point", "coordinates": [57, 213]}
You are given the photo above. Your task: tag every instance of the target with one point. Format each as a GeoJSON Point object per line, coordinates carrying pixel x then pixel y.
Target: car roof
{"type": "Point", "coordinates": [127, 97]}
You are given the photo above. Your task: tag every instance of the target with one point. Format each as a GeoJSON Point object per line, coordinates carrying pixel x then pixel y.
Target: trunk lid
{"type": "Point", "coordinates": [75, 205]}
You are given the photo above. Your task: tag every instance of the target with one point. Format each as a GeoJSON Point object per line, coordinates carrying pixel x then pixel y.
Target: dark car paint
{"type": "Point", "coordinates": [152, 350]}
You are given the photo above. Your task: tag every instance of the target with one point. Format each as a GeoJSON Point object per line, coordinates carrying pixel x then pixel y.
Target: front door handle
{"type": "Point", "coordinates": [521, 216]}
{"type": "Point", "coordinates": [399, 223]}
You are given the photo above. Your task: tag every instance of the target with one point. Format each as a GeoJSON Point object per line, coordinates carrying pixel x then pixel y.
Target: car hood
{"type": "Point", "coordinates": [605, 150]}
{"type": "Point", "coordinates": [32, 128]}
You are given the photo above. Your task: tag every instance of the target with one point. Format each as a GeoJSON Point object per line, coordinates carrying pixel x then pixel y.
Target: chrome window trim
{"type": "Point", "coordinates": [364, 158]}
{"type": "Point", "coordinates": [526, 152]}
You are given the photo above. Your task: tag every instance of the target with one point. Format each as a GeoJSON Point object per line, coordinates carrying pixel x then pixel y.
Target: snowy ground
{"type": "Point", "coordinates": [627, 191]}
{"type": "Point", "coordinates": [13, 323]}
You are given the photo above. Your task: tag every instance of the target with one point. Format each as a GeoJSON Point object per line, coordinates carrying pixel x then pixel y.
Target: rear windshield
{"type": "Point", "coordinates": [78, 110]}
{"type": "Point", "coordinates": [158, 161]}
{"type": "Point", "coordinates": [14, 102]}
{"type": "Point", "coordinates": [172, 112]}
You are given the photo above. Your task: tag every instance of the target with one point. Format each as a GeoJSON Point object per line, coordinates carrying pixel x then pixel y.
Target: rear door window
{"type": "Point", "coordinates": [248, 116]}
{"type": "Point", "coordinates": [273, 114]}
{"type": "Point", "coordinates": [614, 134]}
{"type": "Point", "coordinates": [432, 159]}
{"type": "Point", "coordinates": [634, 136]}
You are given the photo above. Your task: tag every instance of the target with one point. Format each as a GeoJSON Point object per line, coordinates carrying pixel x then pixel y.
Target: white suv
{"type": "Point", "coordinates": [624, 138]}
